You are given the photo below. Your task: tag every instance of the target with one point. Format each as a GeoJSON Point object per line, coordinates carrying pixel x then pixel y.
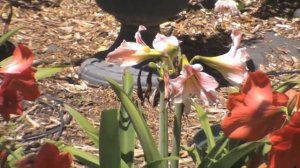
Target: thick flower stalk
{"type": "Point", "coordinates": [231, 65]}
{"type": "Point", "coordinates": [285, 150]}
{"type": "Point", "coordinates": [18, 82]}
{"type": "Point", "coordinates": [255, 111]}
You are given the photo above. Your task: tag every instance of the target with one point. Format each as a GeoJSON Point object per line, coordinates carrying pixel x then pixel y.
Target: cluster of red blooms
{"type": "Point", "coordinates": [257, 111]}
{"type": "Point", "coordinates": [18, 82]}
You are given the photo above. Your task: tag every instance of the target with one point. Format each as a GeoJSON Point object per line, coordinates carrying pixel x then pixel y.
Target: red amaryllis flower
{"type": "Point", "coordinates": [48, 157]}
{"type": "Point", "coordinates": [18, 82]}
{"type": "Point", "coordinates": [193, 82]}
{"type": "Point", "coordinates": [21, 60]}
{"type": "Point", "coordinates": [10, 102]}
{"type": "Point", "coordinates": [255, 111]}
{"type": "Point", "coordinates": [19, 75]}
{"type": "Point", "coordinates": [285, 150]}
{"type": "Point", "coordinates": [24, 82]}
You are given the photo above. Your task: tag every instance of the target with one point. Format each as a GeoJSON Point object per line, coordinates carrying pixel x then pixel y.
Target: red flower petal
{"type": "Point", "coordinates": [10, 102]}
{"type": "Point", "coordinates": [280, 99]}
{"type": "Point", "coordinates": [25, 83]}
{"type": "Point", "coordinates": [285, 150]}
{"type": "Point", "coordinates": [255, 111]}
{"type": "Point", "coordinates": [21, 60]}
{"type": "Point", "coordinates": [49, 157]}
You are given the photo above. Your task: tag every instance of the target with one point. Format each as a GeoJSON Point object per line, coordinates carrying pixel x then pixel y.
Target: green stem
{"type": "Point", "coordinates": [176, 133]}
{"type": "Point", "coordinates": [163, 125]}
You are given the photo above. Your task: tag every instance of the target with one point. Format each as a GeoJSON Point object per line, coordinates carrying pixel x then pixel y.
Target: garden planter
{"type": "Point", "coordinates": [131, 14]}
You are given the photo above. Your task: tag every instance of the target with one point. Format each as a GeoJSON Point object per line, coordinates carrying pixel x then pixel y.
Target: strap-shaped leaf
{"type": "Point", "coordinates": [236, 154]}
{"type": "Point", "coordinates": [127, 135]}
{"type": "Point", "coordinates": [194, 154]}
{"type": "Point", "coordinates": [205, 126]}
{"type": "Point", "coordinates": [216, 152]}
{"type": "Point", "coordinates": [87, 127]}
{"type": "Point", "coordinates": [7, 35]}
{"type": "Point", "coordinates": [157, 162]}
{"type": "Point", "coordinates": [42, 73]}
{"type": "Point", "coordinates": [5, 61]}
{"type": "Point", "coordinates": [109, 144]}
{"type": "Point", "coordinates": [88, 159]}
{"type": "Point", "coordinates": [140, 126]}
{"type": "Point", "coordinates": [287, 85]}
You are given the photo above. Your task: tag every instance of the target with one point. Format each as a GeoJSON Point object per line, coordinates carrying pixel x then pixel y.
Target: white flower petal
{"type": "Point", "coordinates": [162, 43]}
{"type": "Point", "coordinates": [138, 36]}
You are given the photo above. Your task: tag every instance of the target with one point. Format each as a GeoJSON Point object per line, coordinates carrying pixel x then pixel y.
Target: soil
{"type": "Point", "coordinates": [66, 32]}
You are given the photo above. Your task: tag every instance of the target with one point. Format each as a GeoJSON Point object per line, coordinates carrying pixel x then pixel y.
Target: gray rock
{"type": "Point", "coordinates": [297, 13]}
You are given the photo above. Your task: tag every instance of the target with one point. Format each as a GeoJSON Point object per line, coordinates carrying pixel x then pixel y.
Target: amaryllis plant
{"type": "Point", "coordinates": [260, 129]}
{"type": "Point", "coordinates": [259, 117]}
{"type": "Point", "coordinates": [19, 84]}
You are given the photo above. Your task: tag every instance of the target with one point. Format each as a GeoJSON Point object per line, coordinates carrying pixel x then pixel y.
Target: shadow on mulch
{"type": "Point", "coordinates": [199, 44]}
{"type": "Point", "coordinates": [283, 8]}
{"type": "Point", "coordinates": [35, 5]}
{"type": "Point", "coordinates": [196, 5]}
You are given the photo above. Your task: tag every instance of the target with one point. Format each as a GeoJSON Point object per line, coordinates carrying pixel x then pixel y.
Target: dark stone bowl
{"type": "Point", "coordinates": [142, 12]}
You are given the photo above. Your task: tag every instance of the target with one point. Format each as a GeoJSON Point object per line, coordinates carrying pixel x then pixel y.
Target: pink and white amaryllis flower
{"type": "Point", "coordinates": [227, 7]}
{"type": "Point", "coordinates": [133, 53]}
{"type": "Point", "coordinates": [130, 54]}
{"type": "Point", "coordinates": [231, 65]}
{"type": "Point", "coordinates": [193, 82]}
{"type": "Point", "coordinates": [167, 45]}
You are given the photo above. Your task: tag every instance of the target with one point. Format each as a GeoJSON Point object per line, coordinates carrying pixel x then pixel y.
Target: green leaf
{"type": "Point", "coordinates": [88, 159]}
{"type": "Point", "coordinates": [194, 154]}
{"type": "Point", "coordinates": [87, 127]}
{"type": "Point", "coordinates": [5, 61]}
{"type": "Point", "coordinates": [287, 85]}
{"type": "Point", "coordinates": [216, 152]}
{"type": "Point", "coordinates": [127, 135]}
{"type": "Point", "coordinates": [236, 154]}
{"type": "Point", "coordinates": [46, 72]}
{"type": "Point", "coordinates": [157, 162]}
{"type": "Point", "coordinates": [109, 150]}
{"type": "Point", "coordinates": [15, 156]}
{"type": "Point", "coordinates": [7, 35]}
{"type": "Point", "coordinates": [140, 126]}
{"type": "Point", "coordinates": [291, 105]}
{"type": "Point", "coordinates": [205, 126]}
